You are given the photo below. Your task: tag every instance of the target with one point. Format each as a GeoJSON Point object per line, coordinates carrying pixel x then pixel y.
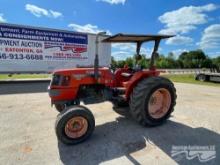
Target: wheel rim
{"type": "Point", "coordinates": [202, 78]}
{"type": "Point", "coordinates": [159, 103]}
{"type": "Point", "coordinates": [76, 127]}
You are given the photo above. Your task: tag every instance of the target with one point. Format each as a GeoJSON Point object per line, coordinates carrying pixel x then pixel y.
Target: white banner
{"type": "Point", "coordinates": [25, 49]}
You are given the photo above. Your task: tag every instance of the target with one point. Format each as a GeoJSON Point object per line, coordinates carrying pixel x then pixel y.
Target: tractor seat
{"type": "Point", "coordinates": [127, 74]}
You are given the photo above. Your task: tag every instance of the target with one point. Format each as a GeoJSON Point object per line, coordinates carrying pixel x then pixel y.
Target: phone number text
{"type": "Point", "coordinates": [11, 56]}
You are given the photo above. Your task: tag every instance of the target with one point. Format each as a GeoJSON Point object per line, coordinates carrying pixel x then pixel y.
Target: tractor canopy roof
{"type": "Point", "coordinates": [139, 39]}
{"type": "Point", "coordinates": [135, 38]}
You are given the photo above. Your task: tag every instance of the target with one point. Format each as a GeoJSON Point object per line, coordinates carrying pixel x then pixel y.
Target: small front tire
{"type": "Point", "coordinates": [74, 125]}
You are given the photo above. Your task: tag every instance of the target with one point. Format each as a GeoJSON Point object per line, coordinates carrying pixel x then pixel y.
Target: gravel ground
{"type": "Point", "coordinates": [27, 132]}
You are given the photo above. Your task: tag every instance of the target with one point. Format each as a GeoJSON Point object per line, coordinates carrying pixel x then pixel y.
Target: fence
{"type": "Point", "coordinates": [185, 71]}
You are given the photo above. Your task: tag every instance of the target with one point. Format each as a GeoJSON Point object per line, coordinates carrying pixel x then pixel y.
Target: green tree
{"type": "Point", "coordinates": [121, 64]}
{"type": "Point", "coordinates": [193, 59]}
{"type": "Point", "coordinates": [130, 62]}
{"type": "Point", "coordinates": [166, 62]}
{"type": "Point", "coordinates": [216, 61]}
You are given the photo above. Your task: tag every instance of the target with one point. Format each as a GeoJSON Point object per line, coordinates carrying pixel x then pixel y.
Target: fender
{"type": "Point", "coordinates": [119, 79]}
{"type": "Point", "coordinates": [137, 77]}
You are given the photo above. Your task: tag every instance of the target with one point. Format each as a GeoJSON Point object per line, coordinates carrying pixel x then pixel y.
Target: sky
{"type": "Point", "coordinates": [195, 23]}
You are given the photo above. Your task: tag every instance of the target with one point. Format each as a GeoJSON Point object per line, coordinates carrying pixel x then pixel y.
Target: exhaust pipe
{"type": "Point", "coordinates": [96, 61]}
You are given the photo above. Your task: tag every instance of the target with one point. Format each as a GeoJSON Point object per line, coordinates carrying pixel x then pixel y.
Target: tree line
{"type": "Point", "coordinates": [191, 59]}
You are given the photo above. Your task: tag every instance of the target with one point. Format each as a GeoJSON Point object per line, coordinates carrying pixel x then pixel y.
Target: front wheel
{"type": "Point", "coordinates": [74, 125]}
{"type": "Point", "coordinates": [152, 101]}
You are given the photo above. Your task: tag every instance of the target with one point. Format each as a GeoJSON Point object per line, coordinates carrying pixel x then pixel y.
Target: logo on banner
{"type": "Point", "coordinates": [75, 48]}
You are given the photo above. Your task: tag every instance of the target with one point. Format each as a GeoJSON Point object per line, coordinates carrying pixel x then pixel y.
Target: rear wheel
{"type": "Point", "coordinates": [152, 101]}
{"type": "Point", "coordinates": [74, 125]}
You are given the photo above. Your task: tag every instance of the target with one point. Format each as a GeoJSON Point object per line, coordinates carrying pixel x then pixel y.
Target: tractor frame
{"type": "Point", "coordinates": [143, 91]}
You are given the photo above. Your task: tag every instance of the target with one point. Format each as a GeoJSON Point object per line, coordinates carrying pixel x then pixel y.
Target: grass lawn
{"type": "Point", "coordinates": [188, 78]}
{"type": "Point", "coordinates": [23, 76]}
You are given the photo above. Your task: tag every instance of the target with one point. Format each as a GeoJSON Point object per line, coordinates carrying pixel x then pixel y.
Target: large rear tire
{"type": "Point", "coordinates": [74, 125]}
{"type": "Point", "coordinates": [152, 101]}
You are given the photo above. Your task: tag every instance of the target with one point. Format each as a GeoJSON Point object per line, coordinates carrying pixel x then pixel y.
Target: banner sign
{"type": "Point", "coordinates": [32, 44]}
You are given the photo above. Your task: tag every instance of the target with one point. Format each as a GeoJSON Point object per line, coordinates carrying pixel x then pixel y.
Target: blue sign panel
{"type": "Point", "coordinates": [41, 35]}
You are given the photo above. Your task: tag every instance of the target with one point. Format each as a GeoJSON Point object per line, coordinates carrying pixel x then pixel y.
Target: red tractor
{"type": "Point", "coordinates": [151, 98]}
